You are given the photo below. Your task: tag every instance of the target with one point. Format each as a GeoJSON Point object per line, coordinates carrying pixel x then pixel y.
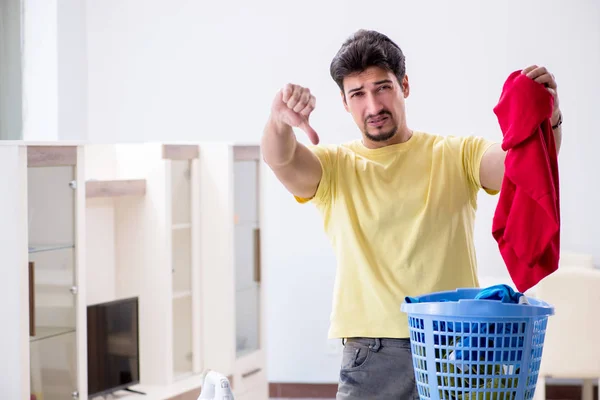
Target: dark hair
{"type": "Point", "coordinates": [364, 49]}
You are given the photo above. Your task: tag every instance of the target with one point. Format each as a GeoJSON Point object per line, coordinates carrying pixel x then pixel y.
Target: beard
{"type": "Point", "coordinates": [381, 135]}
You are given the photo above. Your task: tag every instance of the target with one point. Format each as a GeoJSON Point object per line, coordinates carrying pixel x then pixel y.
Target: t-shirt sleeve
{"type": "Point", "coordinates": [327, 156]}
{"type": "Point", "coordinates": [472, 150]}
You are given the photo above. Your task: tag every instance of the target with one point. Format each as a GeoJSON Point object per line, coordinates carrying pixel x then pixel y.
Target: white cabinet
{"type": "Point", "coordinates": [56, 248]}
{"type": "Point", "coordinates": [177, 226]}
{"type": "Point", "coordinates": [183, 255]}
{"type": "Point", "coordinates": [247, 253]}
{"type": "Point", "coordinates": [152, 237]}
{"type": "Point", "coordinates": [47, 251]}
{"type": "Point", "coordinates": [233, 328]}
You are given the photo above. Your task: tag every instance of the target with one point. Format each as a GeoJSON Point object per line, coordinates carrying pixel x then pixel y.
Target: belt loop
{"type": "Point", "coordinates": [343, 341]}
{"type": "Point", "coordinates": [376, 346]}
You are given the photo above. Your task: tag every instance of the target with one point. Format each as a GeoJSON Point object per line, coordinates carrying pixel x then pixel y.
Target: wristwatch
{"type": "Point", "coordinates": [559, 122]}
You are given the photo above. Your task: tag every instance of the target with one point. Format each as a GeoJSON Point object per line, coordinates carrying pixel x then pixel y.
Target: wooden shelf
{"type": "Point", "coordinates": [43, 332]}
{"type": "Point", "coordinates": [51, 156]}
{"type": "Point", "coordinates": [50, 247]}
{"type": "Point", "coordinates": [180, 151]}
{"type": "Point", "coordinates": [183, 294]}
{"type": "Point", "coordinates": [115, 188]}
{"type": "Point", "coordinates": [246, 153]}
{"type": "Point", "coordinates": [178, 227]}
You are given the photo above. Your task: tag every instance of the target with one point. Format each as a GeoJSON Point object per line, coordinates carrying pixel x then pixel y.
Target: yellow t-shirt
{"type": "Point", "coordinates": [400, 219]}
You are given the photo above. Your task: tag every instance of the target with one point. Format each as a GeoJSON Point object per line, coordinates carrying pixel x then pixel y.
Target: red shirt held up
{"type": "Point", "coordinates": [526, 222]}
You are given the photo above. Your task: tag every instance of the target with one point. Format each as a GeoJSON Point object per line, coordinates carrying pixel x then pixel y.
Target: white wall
{"type": "Point", "coordinates": [191, 70]}
{"type": "Point", "coordinates": [72, 70]}
{"type": "Point", "coordinates": [40, 70]}
{"type": "Point", "coordinates": [54, 70]}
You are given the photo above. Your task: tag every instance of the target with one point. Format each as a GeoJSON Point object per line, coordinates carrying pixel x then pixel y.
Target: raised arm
{"type": "Point", "coordinates": [296, 167]}
{"type": "Point", "coordinates": [543, 76]}
{"type": "Point", "coordinates": [492, 163]}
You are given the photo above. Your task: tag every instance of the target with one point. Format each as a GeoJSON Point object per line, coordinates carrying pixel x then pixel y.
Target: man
{"type": "Point", "coordinates": [398, 205]}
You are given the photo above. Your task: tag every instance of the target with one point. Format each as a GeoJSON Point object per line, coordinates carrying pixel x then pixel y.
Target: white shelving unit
{"type": "Point", "coordinates": [56, 247]}
{"type": "Point", "coordinates": [147, 218]}
{"type": "Point", "coordinates": [233, 300]}
{"type": "Point", "coordinates": [176, 225]}
{"type": "Point", "coordinates": [183, 175]}
{"type": "Point", "coordinates": [47, 250]}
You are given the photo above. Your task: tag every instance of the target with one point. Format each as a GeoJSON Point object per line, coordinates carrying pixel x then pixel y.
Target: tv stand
{"type": "Point", "coordinates": [134, 391]}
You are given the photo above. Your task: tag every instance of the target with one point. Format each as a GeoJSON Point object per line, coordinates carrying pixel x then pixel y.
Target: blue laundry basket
{"type": "Point", "coordinates": [471, 349]}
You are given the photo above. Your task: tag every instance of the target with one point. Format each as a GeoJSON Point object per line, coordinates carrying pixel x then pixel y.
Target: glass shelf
{"type": "Point", "coordinates": [49, 247]}
{"type": "Point", "coordinates": [47, 332]}
{"type": "Point", "coordinates": [182, 294]}
{"type": "Point", "coordinates": [177, 227]}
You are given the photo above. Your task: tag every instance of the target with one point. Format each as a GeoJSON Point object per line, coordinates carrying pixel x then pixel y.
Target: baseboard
{"type": "Point", "coordinates": [302, 390]}
{"type": "Point", "coordinates": [328, 391]}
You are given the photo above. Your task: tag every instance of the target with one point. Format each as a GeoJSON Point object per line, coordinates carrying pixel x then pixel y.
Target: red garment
{"type": "Point", "coordinates": [526, 223]}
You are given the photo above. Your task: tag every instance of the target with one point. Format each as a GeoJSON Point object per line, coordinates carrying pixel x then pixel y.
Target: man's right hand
{"type": "Point", "coordinates": [292, 106]}
{"type": "Point", "coordinates": [294, 164]}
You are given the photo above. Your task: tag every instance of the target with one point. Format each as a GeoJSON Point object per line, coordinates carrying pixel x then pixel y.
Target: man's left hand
{"type": "Point", "coordinates": [543, 76]}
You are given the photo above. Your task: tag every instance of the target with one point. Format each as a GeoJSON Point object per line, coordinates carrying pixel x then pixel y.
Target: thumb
{"type": "Point", "coordinates": [310, 132]}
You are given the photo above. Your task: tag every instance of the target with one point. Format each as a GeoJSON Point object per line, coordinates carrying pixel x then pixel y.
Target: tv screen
{"type": "Point", "coordinates": [113, 349]}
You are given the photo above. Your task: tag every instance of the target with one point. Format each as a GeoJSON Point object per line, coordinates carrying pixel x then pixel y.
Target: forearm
{"type": "Point", "coordinates": [293, 163]}
{"type": "Point", "coordinates": [278, 144]}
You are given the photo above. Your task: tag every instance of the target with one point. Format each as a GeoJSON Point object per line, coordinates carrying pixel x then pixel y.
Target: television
{"type": "Point", "coordinates": [113, 346]}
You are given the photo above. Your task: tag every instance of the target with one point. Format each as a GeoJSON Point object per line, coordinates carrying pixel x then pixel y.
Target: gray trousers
{"type": "Point", "coordinates": [377, 369]}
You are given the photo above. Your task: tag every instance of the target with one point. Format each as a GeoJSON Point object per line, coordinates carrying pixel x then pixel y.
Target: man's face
{"type": "Point", "coordinates": [376, 101]}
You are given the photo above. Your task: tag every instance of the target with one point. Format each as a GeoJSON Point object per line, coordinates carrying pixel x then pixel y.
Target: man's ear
{"type": "Point", "coordinates": [405, 86]}
{"type": "Point", "coordinates": [344, 100]}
